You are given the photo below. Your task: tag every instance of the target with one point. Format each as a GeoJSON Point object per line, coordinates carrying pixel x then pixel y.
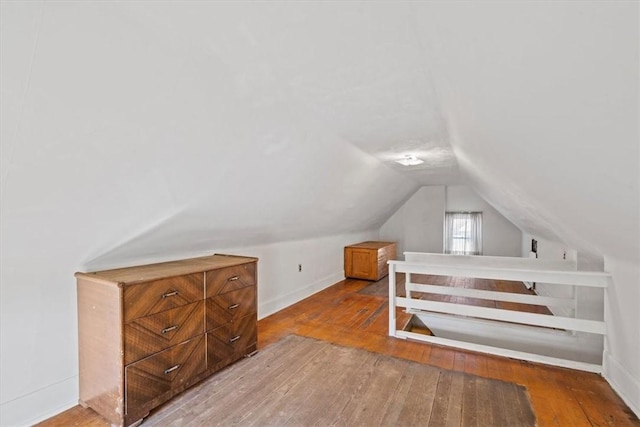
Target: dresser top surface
{"type": "Point", "coordinates": [145, 273]}
{"type": "Point", "coordinates": [371, 245]}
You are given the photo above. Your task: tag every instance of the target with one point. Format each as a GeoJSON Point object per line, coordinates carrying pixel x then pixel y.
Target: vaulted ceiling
{"type": "Point", "coordinates": [148, 127]}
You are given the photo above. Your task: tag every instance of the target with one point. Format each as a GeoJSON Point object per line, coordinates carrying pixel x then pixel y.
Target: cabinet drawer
{"type": "Point", "coordinates": [230, 306]}
{"type": "Point", "coordinates": [148, 335]}
{"type": "Point", "coordinates": [231, 341]}
{"type": "Point", "coordinates": [151, 381]}
{"type": "Point", "coordinates": [229, 279]}
{"type": "Point", "coordinates": [148, 298]}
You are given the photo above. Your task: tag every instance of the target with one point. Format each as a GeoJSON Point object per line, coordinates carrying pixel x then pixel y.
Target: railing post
{"type": "Point", "coordinates": [392, 299]}
{"type": "Point", "coordinates": [407, 281]}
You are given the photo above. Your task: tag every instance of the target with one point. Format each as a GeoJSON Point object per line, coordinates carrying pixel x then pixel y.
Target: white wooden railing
{"type": "Point", "coordinates": [499, 325]}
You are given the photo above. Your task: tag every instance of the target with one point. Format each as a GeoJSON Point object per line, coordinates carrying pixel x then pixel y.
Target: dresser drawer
{"type": "Point", "coordinates": [152, 381]}
{"type": "Point", "coordinates": [148, 335]}
{"type": "Point", "coordinates": [148, 298]}
{"type": "Point", "coordinates": [231, 341]}
{"type": "Point", "coordinates": [230, 306]}
{"type": "Point", "coordinates": [229, 279]}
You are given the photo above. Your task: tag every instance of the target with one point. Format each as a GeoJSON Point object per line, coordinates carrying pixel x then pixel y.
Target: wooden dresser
{"type": "Point", "coordinates": [147, 333]}
{"type": "Point", "coordinates": [368, 260]}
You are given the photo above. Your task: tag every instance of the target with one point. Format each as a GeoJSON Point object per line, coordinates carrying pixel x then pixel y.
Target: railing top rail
{"type": "Point", "coordinates": [491, 261]}
{"type": "Point", "coordinates": [562, 277]}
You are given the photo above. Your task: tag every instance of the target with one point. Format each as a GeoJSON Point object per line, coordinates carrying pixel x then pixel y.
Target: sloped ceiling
{"type": "Point", "coordinates": [542, 102]}
{"type": "Point", "coordinates": [151, 127]}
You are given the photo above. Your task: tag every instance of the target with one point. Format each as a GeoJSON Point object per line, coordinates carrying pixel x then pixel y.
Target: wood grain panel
{"type": "Point", "coordinates": [153, 380]}
{"type": "Point", "coordinates": [100, 349]}
{"type": "Point", "coordinates": [153, 297]}
{"type": "Point", "coordinates": [363, 263]}
{"type": "Point", "coordinates": [142, 330]}
{"type": "Point", "coordinates": [230, 306]}
{"type": "Point", "coordinates": [151, 272]}
{"type": "Point", "coordinates": [148, 335]}
{"type": "Point", "coordinates": [231, 341]}
{"type": "Point", "coordinates": [385, 254]}
{"type": "Point", "coordinates": [230, 279]}
{"type": "Point", "coordinates": [368, 260]}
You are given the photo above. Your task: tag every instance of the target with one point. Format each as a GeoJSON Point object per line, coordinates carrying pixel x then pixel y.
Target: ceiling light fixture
{"type": "Point", "coordinates": [410, 160]}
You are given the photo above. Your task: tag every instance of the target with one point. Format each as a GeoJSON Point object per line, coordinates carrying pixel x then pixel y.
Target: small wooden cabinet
{"type": "Point", "coordinates": [147, 333]}
{"type": "Point", "coordinates": [368, 260]}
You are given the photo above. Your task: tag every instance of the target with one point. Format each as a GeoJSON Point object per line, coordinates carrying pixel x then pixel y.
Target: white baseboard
{"type": "Point", "coordinates": [40, 405]}
{"type": "Point", "coordinates": [622, 382]}
{"type": "Point", "coordinates": [267, 308]}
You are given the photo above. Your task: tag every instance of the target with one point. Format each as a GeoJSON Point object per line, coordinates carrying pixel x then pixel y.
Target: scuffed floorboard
{"type": "Point", "coordinates": [306, 382]}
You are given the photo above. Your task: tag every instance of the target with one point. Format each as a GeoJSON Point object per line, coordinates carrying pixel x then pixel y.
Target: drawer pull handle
{"type": "Point", "coordinates": [171, 369]}
{"type": "Point", "coordinates": [170, 294]}
{"type": "Point", "coordinates": [232, 306]}
{"type": "Point", "coordinates": [233, 278]}
{"type": "Point", "coordinates": [169, 329]}
{"type": "Point", "coordinates": [234, 339]}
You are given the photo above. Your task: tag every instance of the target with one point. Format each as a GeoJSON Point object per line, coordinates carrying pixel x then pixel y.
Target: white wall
{"type": "Point", "coordinates": [417, 226]}
{"type": "Point", "coordinates": [590, 301]}
{"type": "Point", "coordinates": [499, 236]}
{"type": "Point", "coordinates": [281, 284]}
{"type": "Point", "coordinates": [548, 250]}
{"type": "Point", "coordinates": [622, 344]}
{"type": "Point", "coordinates": [40, 381]}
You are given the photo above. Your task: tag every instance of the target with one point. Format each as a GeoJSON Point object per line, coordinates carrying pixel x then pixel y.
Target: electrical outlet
{"type": "Point", "coordinates": [299, 268]}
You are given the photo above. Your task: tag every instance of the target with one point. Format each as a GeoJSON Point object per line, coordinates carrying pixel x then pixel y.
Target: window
{"type": "Point", "coordinates": [463, 233]}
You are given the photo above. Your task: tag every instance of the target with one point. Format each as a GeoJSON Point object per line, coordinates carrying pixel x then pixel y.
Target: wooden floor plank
{"type": "Point", "coordinates": [487, 412]}
{"type": "Point", "coordinates": [376, 393]}
{"type": "Point", "coordinates": [290, 396]}
{"type": "Point", "coordinates": [196, 395]}
{"type": "Point", "coordinates": [401, 393]}
{"type": "Point", "coordinates": [454, 407]}
{"type": "Point", "coordinates": [440, 406]}
{"type": "Point", "coordinates": [251, 383]}
{"type": "Point", "coordinates": [499, 406]}
{"type": "Point", "coordinates": [469, 403]}
{"type": "Point", "coordinates": [348, 394]}
{"type": "Point", "coordinates": [322, 393]}
{"type": "Point", "coordinates": [420, 399]}
{"type": "Point", "coordinates": [516, 403]}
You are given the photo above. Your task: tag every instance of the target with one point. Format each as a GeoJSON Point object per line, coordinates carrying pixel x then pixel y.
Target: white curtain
{"type": "Point", "coordinates": [463, 233]}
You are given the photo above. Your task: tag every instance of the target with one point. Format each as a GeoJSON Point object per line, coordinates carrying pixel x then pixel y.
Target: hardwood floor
{"type": "Point", "coordinates": [301, 381]}
{"type": "Point", "coordinates": [342, 315]}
